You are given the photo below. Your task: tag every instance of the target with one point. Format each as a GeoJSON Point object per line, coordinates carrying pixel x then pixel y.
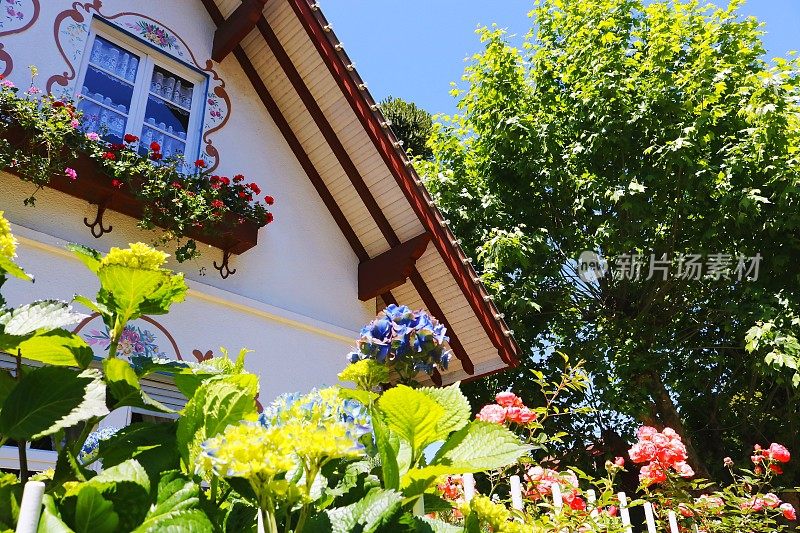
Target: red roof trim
{"type": "Point", "coordinates": [408, 181]}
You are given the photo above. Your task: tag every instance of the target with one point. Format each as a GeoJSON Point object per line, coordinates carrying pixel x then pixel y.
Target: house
{"type": "Point", "coordinates": [262, 88]}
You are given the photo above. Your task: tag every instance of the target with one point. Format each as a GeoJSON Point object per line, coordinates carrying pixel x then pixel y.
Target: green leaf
{"type": "Point", "coordinates": [152, 444]}
{"type": "Point", "coordinates": [388, 446]}
{"type": "Point", "coordinates": [52, 398]}
{"type": "Point", "coordinates": [44, 315]}
{"type": "Point", "coordinates": [8, 266]}
{"type": "Point", "coordinates": [58, 347]}
{"type": "Point", "coordinates": [10, 497]}
{"type": "Point", "coordinates": [214, 406]}
{"type": "Point", "coordinates": [457, 411]}
{"type": "Point", "coordinates": [176, 508]}
{"type": "Point", "coordinates": [88, 256]}
{"type": "Point", "coordinates": [477, 447]}
{"type": "Point", "coordinates": [50, 521]}
{"type": "Point", "coordinates": [94, 306]}
{"type": "Point", "coordinates": [93, 513]}
{"type": "Point", "coordinates": [372, 511]}
{"type": "Point", "coordinates": [127, 486]}
{"type": "Point", "coordinates": [412, 415]}
{"type": "Point", "coordinates": [132, 292]}
{"type": "Point", "coordinates": [7, 384]}
{"type": "Point", "coordinates": [123, 384]}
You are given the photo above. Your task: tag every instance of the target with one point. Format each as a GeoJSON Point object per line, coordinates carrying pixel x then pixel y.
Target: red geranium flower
{"type": "Point", "coordinates": [255, 188]}
{"type": "Point", "coordinates": [237, 178]}
{"type": "Point", "coordinates": [116, 147]}
{"type": "Point", "coordinates": [155, 147]}
{"type": "Point", "coordinates": [225, 181]}
{"type": "Point", "coordinates": [156, 156]}
{"type": "Point", "coordinates": [58, 103]}
{"type": "Point", "coordinates": [217, 204]}
{"type": "Point", "coordinates": [269, 218]}
{"type": "Point", "coordinates": [242, 194]}
{"type": "Point", "coordinates": [130, 138]}
{"type": "Point", "coordinates": [109, 155]}
{"type": "Point", "coordinates": [176, 185]}
{"type": "Point", "coordinates": [269, 200]}
{"type": "Point", "coordinates": [200, 163]}
{"type": "Point", "coordinates": [116, 183]}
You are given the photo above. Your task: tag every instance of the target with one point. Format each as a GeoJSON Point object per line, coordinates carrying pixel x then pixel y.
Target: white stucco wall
{"type": "Point", "coordinates": [293, 298]}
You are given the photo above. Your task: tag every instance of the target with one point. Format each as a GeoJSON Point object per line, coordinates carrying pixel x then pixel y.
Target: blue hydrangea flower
{"type": "Point", "coordinates": [92, 445]}
{"type": "Point", "coordinates": [409, 341]}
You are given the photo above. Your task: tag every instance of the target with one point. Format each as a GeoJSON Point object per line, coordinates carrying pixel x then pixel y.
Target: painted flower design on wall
{"type": "Point", "coordinates": [76, 34]}
{"type": "Point", "coordinates": [157, 35]}
{"type": "Point", "coordinates": [135, 341]}
{"type": "Point", "coordinates": [14, 11]}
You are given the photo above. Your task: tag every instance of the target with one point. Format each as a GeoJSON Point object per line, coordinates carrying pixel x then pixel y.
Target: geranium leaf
{"type": "Point", "coordinates": [52, 398]}
{"type": "Point", "coordinates": [44, 315]}
{"type": "Point", "coordinates": [93, 513]}
{"type": "Point", "coordinates": [58, 347]}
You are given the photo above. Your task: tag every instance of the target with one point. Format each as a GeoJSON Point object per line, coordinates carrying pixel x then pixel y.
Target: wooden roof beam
{"type": "Point", "coordinates": [390, 269]}
{"type": "Point", "coordinates": [231, 32]}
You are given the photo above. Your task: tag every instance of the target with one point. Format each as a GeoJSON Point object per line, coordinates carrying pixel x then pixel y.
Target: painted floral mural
{"type": "Point", "coordinates": [135, 341]}
{"type": "Point", "coordinates": [155, 34]}
{"type": "Point", "coordinates": [14, 11]}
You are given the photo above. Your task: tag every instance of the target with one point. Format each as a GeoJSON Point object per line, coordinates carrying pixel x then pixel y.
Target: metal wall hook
{"type": "Point", "coordinates": [224, 269]}
{"type": "Point", "coordinates": [97, 226]}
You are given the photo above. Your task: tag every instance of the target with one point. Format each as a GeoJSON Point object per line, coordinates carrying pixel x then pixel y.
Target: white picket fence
{"type": "Point", "coordinates": [558, 504]}
{"type": "Point", "coordinates": [31, 506]}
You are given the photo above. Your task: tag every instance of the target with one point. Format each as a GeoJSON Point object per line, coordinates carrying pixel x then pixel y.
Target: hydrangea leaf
{"type": "Point", "coordinates": [372, 511]}
{"type": "Point", "coordinates": [477, 447]}
{"type": "Point", "coordinates": [8, 266]}
{"type": "Point", "coordinates": [44, 315]}
{"type": "Point", "coordinates": [58, 347]}
{"type": "Point", "coordinates": [127, 486]}
{"type": "Point", "coordinates": [88, 256]}
{"type": "Point", "coordinates": [49, 399]}
{"type": "Point", "coordinates": [152, 444]}
{"type": "Point", "coordinates": [132, 292]}
{"type": "Point", "coordinates": [7, 384]}
{"type": "Point", "coordinates": [214, 406]}
{"type": "Point", "coordinates": [412, 415]}
{"type": "Point", "coordinates": [457, 411]}
{"type": "Point", "coordinates": [93, 513]}
{"type": "Point", "coordinates": [388, 446]}
{"type": "Point", "coordinates": [123, 384]}
{"type": "Point", "coordinates": [177, 507]}
{"type": "Point", "coordinates": [50, 521]}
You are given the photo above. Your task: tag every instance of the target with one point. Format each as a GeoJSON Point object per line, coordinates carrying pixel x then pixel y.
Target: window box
{"type": "Point", "coordinates": [95, 187]}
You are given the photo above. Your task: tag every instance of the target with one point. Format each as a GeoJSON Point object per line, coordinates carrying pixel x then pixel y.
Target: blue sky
{"type": "Point", "coordinates": [414, 48]}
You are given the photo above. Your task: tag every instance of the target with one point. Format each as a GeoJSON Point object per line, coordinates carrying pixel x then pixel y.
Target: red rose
{"type": "Point", "coordinates": [269, 200]}
{"type": "Point", "coordinates": [269, 218]}
{"type": "Point", "coordinates": [237, 178]}
{"type": "Point", "coordinates": [109, 155]}
{"type": "Point", "coordinates": [217, 204]}
{"type": "Point", "coordinates": [200, 163]}
{"type": "Point", "coordinates": [156, 156]}
{"type": "Point", "coordinates": [116, 183]}
{"type": "Point", "coordinates": [155, 147]}
{"type": "Point", "coordinates": [130, 138]}
{"type": "Point", "coordinates": [255, 188]}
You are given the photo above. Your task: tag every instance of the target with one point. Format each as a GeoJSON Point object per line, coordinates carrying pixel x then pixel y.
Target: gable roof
{"type": "Point", "coordinates": [335, 128]}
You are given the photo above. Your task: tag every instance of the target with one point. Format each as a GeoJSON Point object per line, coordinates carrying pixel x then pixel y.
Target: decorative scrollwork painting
{"type": "Point", "coordinates": [71, 31]}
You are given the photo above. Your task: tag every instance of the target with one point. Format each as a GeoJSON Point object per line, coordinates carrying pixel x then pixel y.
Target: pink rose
{"type": "Point", "coordinates": [492, 413]}
{"type": "Point", "coordinates": [771, 500]}
{"type": "Point", "coordinates": [683, 469]}
{"type": "Point", "coordinates": [779, 453]}
{"type": "Point", "coordinates": [508, 399]}
{"type": "Point", "coordinates": [788, 511]}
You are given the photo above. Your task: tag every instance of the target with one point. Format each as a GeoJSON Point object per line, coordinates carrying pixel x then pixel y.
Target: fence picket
{"type": "Point", "coordinates": [558, 500]}
{"type": "Point", "coordinates": [623, 511]}
{"type": "Point", "coordinates": [469, 487]}
{"type": "Point", "coordinates": [673, 522]}
{"type": "Point", "coordinates": [649, 517]}
{"type": "Point", "coordinates": [516, 493]}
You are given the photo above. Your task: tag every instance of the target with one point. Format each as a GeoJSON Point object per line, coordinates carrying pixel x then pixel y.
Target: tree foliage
{"type": "Point", "coordinates": [411, 124]}
{"type": "Point", "coordinates": [632, 127]}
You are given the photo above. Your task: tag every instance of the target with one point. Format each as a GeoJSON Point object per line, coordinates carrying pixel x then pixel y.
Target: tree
{"type": "Point", "coordinates": [625, 128]}
{"type": "Point", "coordinates": [411, 124]}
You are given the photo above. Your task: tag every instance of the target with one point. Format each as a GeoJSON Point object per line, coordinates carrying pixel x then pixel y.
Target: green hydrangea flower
{"type": "Point", "coordinates": [139, 255]}
{"type": "Point", "coordinates": [8, 244]}
{"type": "Point", "coordinates": [249, 451]}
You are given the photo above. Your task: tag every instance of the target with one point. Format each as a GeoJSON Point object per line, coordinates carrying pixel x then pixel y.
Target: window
{"type": "Point", "coordinates": [128, 86]}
